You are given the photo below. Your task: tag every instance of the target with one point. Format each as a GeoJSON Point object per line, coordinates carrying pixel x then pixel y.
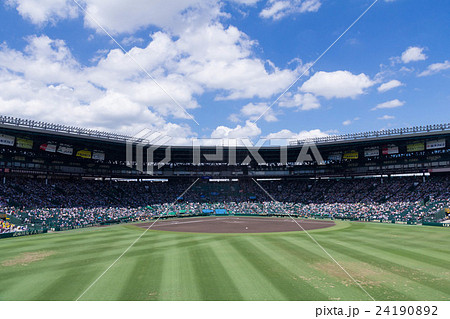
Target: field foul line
{"type": "Point", "coordinates": [315, 241]}
{"type": "Point", "coordinates": [132, 244]}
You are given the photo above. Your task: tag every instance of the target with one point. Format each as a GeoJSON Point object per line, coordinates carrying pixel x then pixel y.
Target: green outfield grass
{"type": "Point", "coordinates": [392, 262]}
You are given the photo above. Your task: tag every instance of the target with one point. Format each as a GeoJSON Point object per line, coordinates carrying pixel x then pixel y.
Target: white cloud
{"type": "Point", "coordinates": [41, 12]}
{"type": "Point", "coordinates": [118, 16]}
{"type": "Point", "coordinates": [222, 59]}
{"type": "Point", "coordinates": [304, 102]}
{"type": "Point", "coordinates": [249, 130]}
{"type": "Point", "coordinates": [347, 122]}
{"type": "Point", "coordinates": [186, 67]}
{"type": "Point", "coordinates": [197, 47]}
{"type": "Point", "coordinates": [302, 135]}
{"type": "Point", "coordinates": [278, 9]}
{"type": "Point", "coordinates": [45, 82]}
{"type": "Point", "coordinates": [176, 17]}
{"type": "Point", "coordinates": [260, 110]}
{"type": "Point", "coordinates": [246, 2]}
{"type": "Point", "coordinates": [389, 105]}
{"type": "Point", "coordinates": [193, 54]}
{"type": "Point", "coordinates": [436, 68]}
{"type": "Point", "coordinates": [338, 84]}
{"type": "Point", "coordinates": [389, 85]}
{"type": "Point", "coordinates": [413, 54]}
{"type": "Point", "coordinates": [386, 117]}
{"type": "Point", "coordinates": [132, 40]}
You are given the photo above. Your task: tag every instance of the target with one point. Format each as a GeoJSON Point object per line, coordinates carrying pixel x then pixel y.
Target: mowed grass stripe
{"type": "Point", "coordinates": [438, 288]}
{"type": "Point", "coordinates": [26, 287]}
{"type": "Point", "coordinates": [61, 275]}
{"type": "Point", "coordinates": [412, 261]}
{"type": "Point", "coordinates": [177, 273]}
{"type": "Point", "coordinates": [291, 254]}
{"type": "Point", "coordinates": [168, 269]}
{"type": "Point", "coordinates": [433, 243]}
{"type": "Point", "coordinates": [398, 262]}
{"type": "Point", "coordinates": [76, 265]}
{"type": "Point", "coordinates": [307, 265]}
{"type": "Point", "coordinates": [371, 277]}
{"type": "Point", "coordinates": [251, 283]}
{"type": "Point", "coordinates": [384, 280]}
{"type": "Point", "coordinates": [143, 282]}
{"type": "Point", "coordinates": [427, 251]}
{"type": "Point", "coordinates": [417, 258]}
{"type": "Point", "coordinates": [118, 282]}
{"type": "Point", "coordinates": [275, 271]}
{"type": "Point", "coordinates": [423, 248]}
{"type": "Point", "coordinates": [65, 241]}
{"type": "Point", "coordinates": [213, 280]}
{"type": "Point", "coordinates": [161, 241]}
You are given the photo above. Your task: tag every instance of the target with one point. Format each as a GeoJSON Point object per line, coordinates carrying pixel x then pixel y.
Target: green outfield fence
{"type": "Point", "coordinates": [436, 224]}
{"type": "Point", "coordinates": [23, 233]}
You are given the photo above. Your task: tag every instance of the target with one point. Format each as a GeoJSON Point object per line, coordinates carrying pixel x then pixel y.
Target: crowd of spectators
{"type": "Point", "coordinates": [7, 227]}
{"type": "Point", "coordinates": [80, 203]}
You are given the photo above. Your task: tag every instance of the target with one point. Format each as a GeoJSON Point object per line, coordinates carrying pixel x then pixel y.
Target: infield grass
{"type": "Point", "coordinates": [392, 262]}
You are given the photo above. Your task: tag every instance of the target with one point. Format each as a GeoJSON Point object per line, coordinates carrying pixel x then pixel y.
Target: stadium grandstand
{"type": "Point", "coordinates": [57, 177]}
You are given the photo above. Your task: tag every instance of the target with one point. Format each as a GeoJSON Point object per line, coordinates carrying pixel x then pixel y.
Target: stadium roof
{"type": "Point", "coordinates": [44, 127]}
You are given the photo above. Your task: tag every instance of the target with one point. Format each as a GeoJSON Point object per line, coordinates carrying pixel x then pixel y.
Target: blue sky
{"type": "Point", "coordinates": [225, 63]}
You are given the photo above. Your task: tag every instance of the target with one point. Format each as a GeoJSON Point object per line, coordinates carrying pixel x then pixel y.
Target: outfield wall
{"type": "Point", "coordinates": [23, 233]}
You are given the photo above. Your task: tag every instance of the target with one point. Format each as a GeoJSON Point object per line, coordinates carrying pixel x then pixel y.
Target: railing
{"type": "Point", "coordinates": [8, 120]}
{"type": "Point", "coordinates": [382, 133]}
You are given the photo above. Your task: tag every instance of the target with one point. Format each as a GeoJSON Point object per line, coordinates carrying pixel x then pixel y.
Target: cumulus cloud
{"type": "Point", "coordinates": [413, 54]}
{"type": "Point", "coordinates": [221, 59]}
{"type": "Point", "coordinates": [42, 12]}
{"type": "Point", "coordinates": [186, 67]}
{"type": "Point", "coordinates": [197, 47]}
{"type": "Point", "coordinates": [256, 111]}
{"type": "Point", "coordinates": [436, 68]}
{"type": "Point", "coordinates": [389, 86]}
{"type": "Point", "coordinates": [303, 102]}
{"type": "Point", "coordinates": [389, 105]}
{"type": "Point", "coordinates": [278, 9]}
{"type": "Point", "coordinates": [338, 84]}
{"type": "Point", "coordinates": [45, 82]}
{"type": "Point", "coordinates": [113, 16]}
{"type": "Point", "coordinates": [249, 130]}
{"type": "Point", "coordinates": [193, 53]}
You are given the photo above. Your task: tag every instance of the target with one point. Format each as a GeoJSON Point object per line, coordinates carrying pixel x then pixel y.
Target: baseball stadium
{"type": "Point", "coordinates": [89, 215]}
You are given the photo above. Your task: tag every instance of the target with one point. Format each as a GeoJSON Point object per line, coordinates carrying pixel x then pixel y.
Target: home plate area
{"type": "Point", "coordinates": [235, 224]}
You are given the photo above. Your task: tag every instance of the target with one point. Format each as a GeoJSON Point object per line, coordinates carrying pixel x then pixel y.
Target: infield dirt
{"type": "Point", "coordinates": [237, 224]}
